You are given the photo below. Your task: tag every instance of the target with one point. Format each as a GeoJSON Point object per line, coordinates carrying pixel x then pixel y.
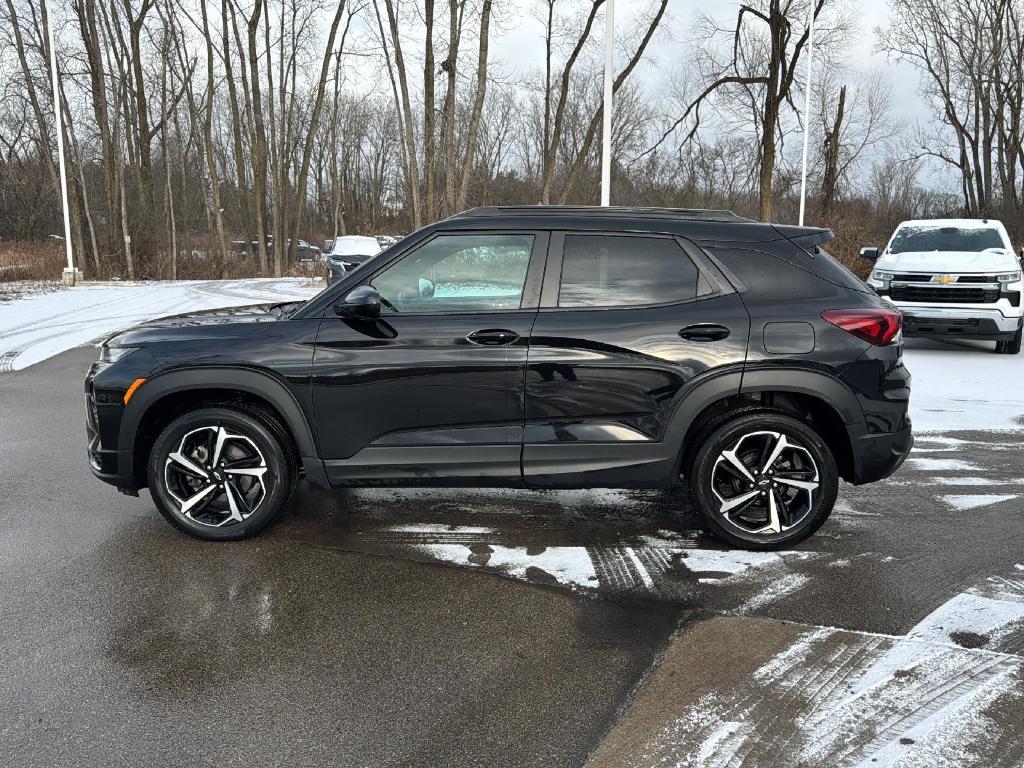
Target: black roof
{"type": "Point", "coordinates": [703, 226]}
{"type": "Point", "coordinates": [691, 214]}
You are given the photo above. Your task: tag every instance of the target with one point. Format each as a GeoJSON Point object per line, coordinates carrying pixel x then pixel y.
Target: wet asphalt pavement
{"type": "Point", "coordinates": [436, 628]}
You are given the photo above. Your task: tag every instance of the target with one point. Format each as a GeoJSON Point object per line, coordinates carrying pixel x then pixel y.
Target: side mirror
{"type": "Point", "coordinates": [362, 303]}
{"type": "Point", "coordinates": [871, 254]}
{"type": "Point", "coordinates": [426, 288]}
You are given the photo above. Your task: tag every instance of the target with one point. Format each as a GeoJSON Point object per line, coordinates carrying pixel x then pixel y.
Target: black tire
{"type": "Point", "coordinates": [1011, 347]}
{"type": "Point", "coordinates": [715, 482]}
{"type": "Point", "coordinates": [253, 442]}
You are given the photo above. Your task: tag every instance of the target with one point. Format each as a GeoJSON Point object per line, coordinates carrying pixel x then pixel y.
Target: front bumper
{"type": "Point", "coordinates": [876, 455]}
{"type": "Point", "coordinates": [963, 322]}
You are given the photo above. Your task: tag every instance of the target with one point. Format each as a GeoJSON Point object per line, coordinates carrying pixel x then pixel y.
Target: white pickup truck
{"type": "Point", "coordinates": [953, 278]}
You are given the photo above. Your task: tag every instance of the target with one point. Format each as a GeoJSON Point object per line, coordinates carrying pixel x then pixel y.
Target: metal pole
{"type": "Point", "coordinates": [807, 113]}
{"type": "Point", "coordinates": [59, 122]}
{"type": "Point", "coordinates": [606, 139]}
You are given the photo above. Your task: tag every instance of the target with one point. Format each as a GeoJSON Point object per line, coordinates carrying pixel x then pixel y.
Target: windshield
{"type": "Point", "coordinates": [973, 239]}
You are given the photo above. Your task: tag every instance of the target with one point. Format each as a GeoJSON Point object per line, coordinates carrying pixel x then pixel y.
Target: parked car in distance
{"type": "Point", "coordinates": [533, 347]}
{"type": "Point", "coordinates": [304, 252]}
{"type": "Point", "coordinates": [349, 252]}
{"type": "Point", "coordinates": [953, 278]}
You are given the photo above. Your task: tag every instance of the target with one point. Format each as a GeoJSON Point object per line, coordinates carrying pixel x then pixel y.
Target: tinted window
{"type": "Point", "coordinates": [769, 278]}
{"type": "Point", "coordinates": [613, 271]}
{"type": "Point", "coordinates": [922, 238]}
{"type": "Point", "coordinates": [458, 273]}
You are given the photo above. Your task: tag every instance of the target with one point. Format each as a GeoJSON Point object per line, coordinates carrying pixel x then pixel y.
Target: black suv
{"type": "Point", "coordinates": [543, 347]}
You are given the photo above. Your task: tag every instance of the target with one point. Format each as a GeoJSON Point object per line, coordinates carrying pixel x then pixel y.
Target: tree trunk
{"type": "Point", "coordinates": [428, 109]}
{"type": "Point", "coordinates": [830, 181]}
{"type": "Point", "coordinates": [478, 106]}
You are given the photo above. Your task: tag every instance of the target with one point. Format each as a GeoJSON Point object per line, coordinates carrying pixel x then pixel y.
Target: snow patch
{"type": "Point", "coordinates": [733, 561]}
{"type": "Point", "coordinates": [942, 465]}
{"type": "Point", "coordinates": [971, 481]}
{"type": "Point", "coordinates": [989, 617]}
{"type": "Point", "coordinates": [776, 590]}
{"type": "Point", "coordinates": [428, 529]}
{"type": "Point", "coordinates": [571, 566]}
{"type": "Point", "coordinates": [964, 502]}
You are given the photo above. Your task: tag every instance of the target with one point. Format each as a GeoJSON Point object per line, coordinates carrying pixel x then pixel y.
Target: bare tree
{"type": "Point", "coordinates": [766, 45]}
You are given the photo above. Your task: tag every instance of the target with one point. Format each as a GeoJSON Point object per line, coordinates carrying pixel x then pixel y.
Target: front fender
{"type": "Point", "coordinates": [256, 382]}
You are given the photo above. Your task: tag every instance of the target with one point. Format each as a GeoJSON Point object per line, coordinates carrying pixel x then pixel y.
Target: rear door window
{"type": "Point", "coordinates": [600, 270]}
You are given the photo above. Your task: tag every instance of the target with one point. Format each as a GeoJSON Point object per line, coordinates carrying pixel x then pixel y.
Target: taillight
{"type": "Point", "coordinates": [877, 326]}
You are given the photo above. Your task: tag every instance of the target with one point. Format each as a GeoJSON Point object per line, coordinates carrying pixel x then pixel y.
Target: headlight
{"type": "Point", "coordinates": [1009, 277]}
{"type": "Point", "coordinates": [110, 355]}
{"type": "Point", "coordinates": [878, 275]}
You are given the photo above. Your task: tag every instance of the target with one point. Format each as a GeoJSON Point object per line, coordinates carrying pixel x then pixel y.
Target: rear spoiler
{"type": "Point", "coordinates": [807, 238]}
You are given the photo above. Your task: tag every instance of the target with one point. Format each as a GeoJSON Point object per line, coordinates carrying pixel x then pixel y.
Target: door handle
{"type": "Point", "coordinates": [704, 332]}
{"type": "Point", "coordinates": [493, 337]}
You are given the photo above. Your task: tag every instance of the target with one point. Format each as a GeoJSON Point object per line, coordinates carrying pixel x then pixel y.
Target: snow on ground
{"type": "Point", "coordinates": [36, 327]}
{"type": "Point", "coordinates": [937, 696]}
{"type": "Point", "coordinates": [964, 385]}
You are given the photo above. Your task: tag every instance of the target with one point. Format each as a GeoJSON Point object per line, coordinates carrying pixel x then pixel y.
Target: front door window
{"type": "Point", "coordinates": [458, 273]}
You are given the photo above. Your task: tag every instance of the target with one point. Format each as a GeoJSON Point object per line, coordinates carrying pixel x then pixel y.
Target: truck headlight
{"type": "Point", "coordinates": [1009, 277]}
{"type": "Point", "coordinates": [879, 275]}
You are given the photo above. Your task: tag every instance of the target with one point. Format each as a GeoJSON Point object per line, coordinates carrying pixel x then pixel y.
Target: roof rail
{"type": "Point", "coordinates": [694, 214]}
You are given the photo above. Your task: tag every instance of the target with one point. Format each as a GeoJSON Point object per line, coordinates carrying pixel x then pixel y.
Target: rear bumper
{"type": "Point", "coordinates": [876, 455]}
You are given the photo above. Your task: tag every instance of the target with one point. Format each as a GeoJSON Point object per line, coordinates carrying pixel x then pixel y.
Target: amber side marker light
{"type": "Point", "coordinates": [131, 390]}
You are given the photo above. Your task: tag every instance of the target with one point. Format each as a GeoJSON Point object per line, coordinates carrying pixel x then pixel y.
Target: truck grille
{"type": "Point", "coordinates": [944, 295]}
{"type": "Point", "coordinates": [910, 278]}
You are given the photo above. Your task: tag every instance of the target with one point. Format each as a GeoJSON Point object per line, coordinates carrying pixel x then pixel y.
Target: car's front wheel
{"type": "Point", "coordinates": [220, 473]}
{"type": "Point", "coordinates": [763, 480]}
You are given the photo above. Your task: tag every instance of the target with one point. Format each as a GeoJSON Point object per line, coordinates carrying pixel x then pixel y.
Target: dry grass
{"type": "Point", "coordinates": [851, 236]}
{"type": "Point", "coordinates": [31, 260]}
{"type": "Point", "coordinates": [22, 260]}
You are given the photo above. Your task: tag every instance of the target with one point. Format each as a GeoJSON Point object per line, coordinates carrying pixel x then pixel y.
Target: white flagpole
{"type": "Point", "coordinates": [606, 139]}
{"type": "Point", "coordinates": [59, 122]}
{"type": "Point", "coordinates": [807, 113]}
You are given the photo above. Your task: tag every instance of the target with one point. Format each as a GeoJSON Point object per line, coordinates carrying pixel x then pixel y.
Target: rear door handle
{"type": "Point", "coordinates": [704, 332]}
{"type": "Point", "coordinates": [493, 337]}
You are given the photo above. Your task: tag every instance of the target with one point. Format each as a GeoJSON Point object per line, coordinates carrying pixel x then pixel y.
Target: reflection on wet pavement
{"type": "Point", "coordinates": [614, 541]}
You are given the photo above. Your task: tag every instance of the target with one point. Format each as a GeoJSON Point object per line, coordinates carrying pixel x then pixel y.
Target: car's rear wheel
{"type": "Point", "coordinates": [763, 480]}
{"type": "Point", "coordinates": [1012, 346]}
{"type": "Point", "coordinates": [221, 474]}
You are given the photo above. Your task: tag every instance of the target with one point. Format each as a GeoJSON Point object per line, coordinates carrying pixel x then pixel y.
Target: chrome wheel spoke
{"type": "Point", "coordinates": [222, 435]}
{"type": "Point", "coordinates": [233, 505]}
{"type": "Point", "coordinates": [781, 444]}
{"type": "Point", "coordinates": [774, 523]}
{"type": "Point", "coordinates": [736, 463]}
{"type": "Point", "coordinates": [247, 471]}
{"type": "Point", "coordinates": [737, 503]}
{"type": "Point", "coordinates": [188, 506]}
{"type": "Point", "coordinates": [186, 464]}
{"type": "Point", "coordinates": [804, 485]}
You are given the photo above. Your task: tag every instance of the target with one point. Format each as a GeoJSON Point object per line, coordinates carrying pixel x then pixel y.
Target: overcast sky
{"type": "Point", "coordinates": [519, 46]}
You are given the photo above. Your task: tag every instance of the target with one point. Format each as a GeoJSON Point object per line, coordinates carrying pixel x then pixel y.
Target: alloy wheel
{"type": "Point", "coordinates": [216, 477]}
{"type": "Point", "coordinates": [765, 483]}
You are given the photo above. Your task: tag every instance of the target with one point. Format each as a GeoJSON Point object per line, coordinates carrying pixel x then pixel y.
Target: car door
{"type": "Point", "coordinates": [628, 324]}
{"type": "Point", "coordinates": [432, 390]}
